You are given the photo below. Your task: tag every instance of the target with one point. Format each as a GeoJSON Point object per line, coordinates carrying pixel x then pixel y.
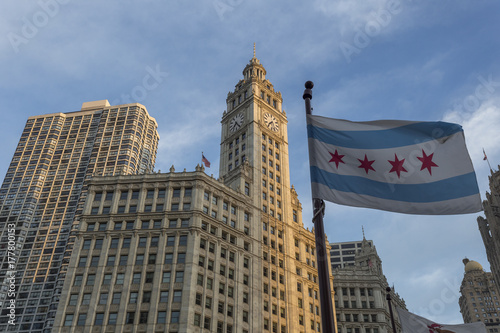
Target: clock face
{"type": "Point", "coordinates": [236, 122]}
{"type": "Point", "coordinates": [271, 122]}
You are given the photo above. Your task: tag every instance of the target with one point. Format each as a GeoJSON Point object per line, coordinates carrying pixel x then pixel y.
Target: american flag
{"type": "Point", "coordinates": [205, 161]}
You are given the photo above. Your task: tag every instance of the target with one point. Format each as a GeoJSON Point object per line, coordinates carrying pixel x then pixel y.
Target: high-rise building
{"type": "Point", "coordinates": [479, 297]}
{"type": "Point", "coordinates": [42, 198]}
{"type": "Point", "coordinates": [184, 252]}
{"type": "Point", "coordinates": [343, 254]}
{"type": "Point", "coordinates": [360, 289]}
{"type": "Point", "coordinates": [490, 227]}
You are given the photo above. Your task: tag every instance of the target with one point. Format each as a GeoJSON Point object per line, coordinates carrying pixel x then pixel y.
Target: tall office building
{"type": "Point", "coordinates": [184, 252]}
{"type": "Point", "coordinates": [343, 254]}
{"type": "Point", "coordinates": [360, 289]}
{"type": "Point", "coordinates": [479, 297]}
{"type": "Point", "coordinates": [490, 227]}
{"type": "Point", "coordinates": [42, 197]}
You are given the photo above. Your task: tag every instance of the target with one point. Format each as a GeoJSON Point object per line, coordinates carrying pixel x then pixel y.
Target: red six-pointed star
{"type": "Point", "coordinates": [397, 165]}
{"type": "Point", "coordinates": [336, 158]}
{"type": "Point", "coordinates": [427, 162]}
{"type": "Point", "coordinates": [365, 164]}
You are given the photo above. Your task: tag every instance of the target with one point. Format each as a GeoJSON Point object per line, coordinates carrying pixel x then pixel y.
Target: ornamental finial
{"type": "Point", "coordinates": [254, 50]}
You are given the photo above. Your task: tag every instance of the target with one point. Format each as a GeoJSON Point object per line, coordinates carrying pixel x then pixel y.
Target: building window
{"type": "Point", "coordinates": [123, 195]}
{"type": "Point", "coordinates": [164, 297]}
{"type": "Point", "coordinates": [98, 196]}
{"type": "Point", "coordinates": [177, 296]}
{"type": "Point", "coordinates": [181, 258]}
{"type": "Point", "coordinates": [146, 297]}
{"type": "Point", "coordinates": [133, 297]}
{"type": "Point", "coordinates": [175, 317]}
{"type": "Point", "coordinates": [152, 259]}
{"type": "Point", "coordinates": [120, 277]}
{"type": "Point", "coordinates": [99, 318]}
{"type": "Point", "coordinates": [143, 317]}
{"type": "Point", "coordinates": [68, 320]}
{"type": "Point", "coordinates": [116, 298]}
{"type": "Point", "coordinates": [112, 318]}
{"type": "Point", "coordinates": [130, 318]}
{"type": "Point", "coordinates": [111, 261]}
{"type": "Point", "coordinates": [197, 320]}
{"type": "Point", "coordinates": [81, 319]}
{"type": "Point", "coordinates": [86, 299]}
{"type": "Point", "coordinates": [169, 258]}
{"type": "Point", "coordinates": [162, 317]}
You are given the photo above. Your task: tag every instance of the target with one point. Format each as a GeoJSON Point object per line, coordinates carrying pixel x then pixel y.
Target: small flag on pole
{"type": "Point", "coordinates": [411, 323]}
{"type": "Point", "coordinates": [399, 166]}
{"type": "Point", "coordinates": [485, 157]}
{"type": "Point", "coordinates": [205, 161]}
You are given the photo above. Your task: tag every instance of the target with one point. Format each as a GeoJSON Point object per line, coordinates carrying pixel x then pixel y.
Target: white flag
{"type": "Point", "coordinates": [411, 323]}
{"type": "Point", "coordinates": [400, 166]}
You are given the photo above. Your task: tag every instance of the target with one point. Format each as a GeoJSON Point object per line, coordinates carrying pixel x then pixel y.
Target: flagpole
{"type": "Point", "coordinates": [325, 294]}
{"type": "Point", "coordinates": [388, 297]}
{"type": "Point", "coordinates": [487, 160]}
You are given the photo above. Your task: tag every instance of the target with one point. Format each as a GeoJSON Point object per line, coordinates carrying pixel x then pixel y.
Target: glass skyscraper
{"type": "Point", "coordinates": [43, 194]}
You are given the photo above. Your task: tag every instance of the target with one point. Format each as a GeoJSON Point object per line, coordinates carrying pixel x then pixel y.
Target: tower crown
{"type": "Point", "coordinates": [471, 265]}
{"type": "Point", "coordinates": [254, 68]}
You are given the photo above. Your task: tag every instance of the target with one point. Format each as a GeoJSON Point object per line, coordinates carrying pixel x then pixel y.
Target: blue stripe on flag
{"type": "Point", "coordinates": [406, 135]}
{"type": "Point", "coordinates": [446, 189]}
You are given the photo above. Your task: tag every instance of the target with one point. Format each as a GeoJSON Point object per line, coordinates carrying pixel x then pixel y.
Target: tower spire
{"type": "Point", "coordinates": [254, 50]}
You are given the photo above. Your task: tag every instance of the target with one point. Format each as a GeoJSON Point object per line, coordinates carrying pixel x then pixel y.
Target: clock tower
{"type": "Point", "coordinates": [254, 160]}
{"type": "Point", "coordinates": [254, 133]}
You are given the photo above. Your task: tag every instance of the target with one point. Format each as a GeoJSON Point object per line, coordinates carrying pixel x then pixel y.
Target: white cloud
{"type": "Point", "coordinates": [349, 12]}
{"type": "Point", "coordinates": [480, 126]}
{"type": "Point", "coordinates": [481, 131]}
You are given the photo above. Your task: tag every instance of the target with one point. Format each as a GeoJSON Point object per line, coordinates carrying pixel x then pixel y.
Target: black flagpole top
{"type": "Point", "coordinates": [308, 92]}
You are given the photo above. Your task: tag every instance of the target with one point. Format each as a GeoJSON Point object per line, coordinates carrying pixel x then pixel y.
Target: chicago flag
{"type": "Point", "coordinates": [400, 166]}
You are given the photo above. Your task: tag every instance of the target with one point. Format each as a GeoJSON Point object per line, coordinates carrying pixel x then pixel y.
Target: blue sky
{"type": "Point", "coordinates": [371, 59]}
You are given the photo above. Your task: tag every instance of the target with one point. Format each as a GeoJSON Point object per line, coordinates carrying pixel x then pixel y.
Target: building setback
{"type": "Point", "coordinates": [43, 193]}
{"type": "Point", "coordinates": [228, 254]}
{"type": "Point", "coordinates": [360, 289]}
{"type": "Point", "coordinates": [479, 297]}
